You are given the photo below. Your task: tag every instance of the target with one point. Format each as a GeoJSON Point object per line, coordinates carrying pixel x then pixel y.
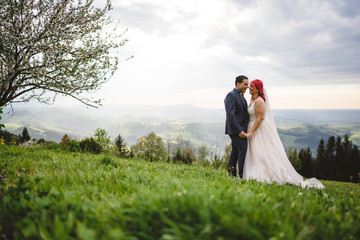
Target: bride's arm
{"type": "Point", "coordinates": [259, 112]}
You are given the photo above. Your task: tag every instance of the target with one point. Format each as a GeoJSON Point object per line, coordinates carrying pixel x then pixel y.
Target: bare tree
{"type": "Point", "coordinates": [57, 47]}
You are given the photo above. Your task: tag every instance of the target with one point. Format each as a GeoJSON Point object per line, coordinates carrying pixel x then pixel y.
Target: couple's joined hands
{"type": "Point", "coordinates": [244, 135]}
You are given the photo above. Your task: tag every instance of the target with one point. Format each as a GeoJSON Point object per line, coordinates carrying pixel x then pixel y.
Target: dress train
{"type": "Point", "coordinates": [266, 159]}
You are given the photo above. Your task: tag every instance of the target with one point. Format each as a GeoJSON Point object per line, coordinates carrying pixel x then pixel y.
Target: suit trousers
{"type": "Point", "coordinates": [237, 155]}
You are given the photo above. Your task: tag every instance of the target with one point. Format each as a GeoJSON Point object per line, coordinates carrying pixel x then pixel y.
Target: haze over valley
{"type": "Point", "coordinates": [297, 128]}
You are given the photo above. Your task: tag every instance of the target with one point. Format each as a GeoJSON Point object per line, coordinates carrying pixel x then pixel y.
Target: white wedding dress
{"type": "Point", "coordinates": [266, 160]}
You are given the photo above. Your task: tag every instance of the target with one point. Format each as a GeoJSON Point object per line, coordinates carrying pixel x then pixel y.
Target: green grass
{"type": "Point", "coordinates": [59, 195]}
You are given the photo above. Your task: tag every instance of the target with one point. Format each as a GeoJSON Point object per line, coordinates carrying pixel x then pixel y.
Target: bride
{"type": "Point", "coordinates": [266, 160]}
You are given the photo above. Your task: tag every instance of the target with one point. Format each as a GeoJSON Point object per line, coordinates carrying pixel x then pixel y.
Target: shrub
{"type": "Point", "coordinates": [112, 150]}
{"type": "Point", "coordinates": [74, 146]}
{"type": "Point", "coordinates": [41, 141]}
{"type": "Point", "coordinates": [185, 152]}
{"type": "Point", "coordinates": [106, 160]}
{"type": "Point", "coordinates": [204, 163]}
{"type": "Point", "coordinates": [89, 145]}
{"type": "Point", "coordinates": [30, 143]}
{"type": "Point", "coordinates": [185, 155]}
{"type": "Point", "coordinates": [218, 162]}
{"type": "Point", "coordinates": [52, 145]}
{"type": "Point", "coordinates": [9, 138]}
{"type": "Point", "coordinates": [65, 141]}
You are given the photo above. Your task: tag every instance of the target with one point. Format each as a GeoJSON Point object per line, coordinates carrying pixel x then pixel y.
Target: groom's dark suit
{"type": "Point", "coordinates": [237, 119]}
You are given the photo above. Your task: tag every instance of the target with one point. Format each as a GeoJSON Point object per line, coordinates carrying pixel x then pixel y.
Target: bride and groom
{"type": "Point", "coordinates": [257, 151]}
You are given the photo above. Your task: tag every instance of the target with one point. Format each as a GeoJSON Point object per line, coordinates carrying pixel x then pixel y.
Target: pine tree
{"type": "Point", "coordinates": [121, 145]}
{"type": "Point", "coordinates": [347, 146]}
{"type": "Point", "coordinates": [354, 162]}
{"type": "Point", "coordinates": [305, 158]}
{"type": "Point", "coordinates": [293, 157]}
{"type": "Point", "coordinates": [330, 148]}
{"type": "Point", "coordinates": [320, 160]}
{"type": "Point", "coordinates": [338, 164]}
{"type": "Point", "coordinates": [178, 156]}
{"type": "Point", "coordinates": [25, 136]}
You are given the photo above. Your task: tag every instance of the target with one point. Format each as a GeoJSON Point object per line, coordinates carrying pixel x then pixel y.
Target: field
{"type": "Point", "coordinates": [59, 195]}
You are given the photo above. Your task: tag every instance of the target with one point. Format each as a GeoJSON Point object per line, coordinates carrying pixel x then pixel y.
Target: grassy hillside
{"type": "Point", "coordinates": [59, 195]}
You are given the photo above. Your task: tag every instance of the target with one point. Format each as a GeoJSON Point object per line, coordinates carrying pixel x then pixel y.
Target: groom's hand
{"type": "Point", "coordinates": [242, 134]}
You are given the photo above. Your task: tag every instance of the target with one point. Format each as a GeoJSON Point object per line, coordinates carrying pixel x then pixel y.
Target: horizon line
{"type": "Point", "coordinates": [43, 105]}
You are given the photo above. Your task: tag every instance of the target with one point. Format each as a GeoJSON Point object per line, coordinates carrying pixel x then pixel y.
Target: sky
{"type": "Point", "coordinates": [307, 52]}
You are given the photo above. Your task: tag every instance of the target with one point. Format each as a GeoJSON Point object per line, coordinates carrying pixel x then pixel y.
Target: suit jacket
{"type": "Point", "coordinates": [237, 116]}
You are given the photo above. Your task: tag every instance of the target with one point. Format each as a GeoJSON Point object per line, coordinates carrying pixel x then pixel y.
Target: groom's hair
{"type": "Point", "coordinates": [239, 79]}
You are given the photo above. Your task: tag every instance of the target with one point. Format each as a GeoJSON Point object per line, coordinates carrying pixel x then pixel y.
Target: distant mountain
{"type": "Point", "coordinates": [297, 128]}
{"type": "Point", "coordinates": [309, 136]}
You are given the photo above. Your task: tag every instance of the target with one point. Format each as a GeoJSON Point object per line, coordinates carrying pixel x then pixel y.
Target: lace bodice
{"type": "Point", "coordinates": [252, 115]}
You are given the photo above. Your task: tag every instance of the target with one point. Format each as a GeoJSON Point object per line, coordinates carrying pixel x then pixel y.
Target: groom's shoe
{"type": "Point", "coordinates": [232, 172]}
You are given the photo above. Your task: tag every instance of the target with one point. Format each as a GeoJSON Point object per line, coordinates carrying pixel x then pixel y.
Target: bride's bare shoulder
{"type": "Point", "coordinates": [259, 100]}
{"type": "Point", "coordinates": [259, 103]}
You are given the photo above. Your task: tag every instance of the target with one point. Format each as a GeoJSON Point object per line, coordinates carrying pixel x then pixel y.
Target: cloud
{"type": "Point", "coordinates": [183, 46]}
{"type": "Point", "coordinates": [153, 17]}
{"type": "Point", "coordinates": [260, 59]}
{"type": "Point", "coordinates": [303, 38]}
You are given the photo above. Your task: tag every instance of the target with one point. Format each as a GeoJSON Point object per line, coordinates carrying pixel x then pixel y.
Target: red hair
{"type": "Point", "coordinates": [259, 85]}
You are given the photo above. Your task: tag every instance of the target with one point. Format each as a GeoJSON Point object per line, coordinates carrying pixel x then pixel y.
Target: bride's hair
{"type": "Point", "coordinates": [260, 86]}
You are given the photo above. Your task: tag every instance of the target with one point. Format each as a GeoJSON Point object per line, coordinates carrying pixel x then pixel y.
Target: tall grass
{"type": "Point", "coordinates": [59, 195]}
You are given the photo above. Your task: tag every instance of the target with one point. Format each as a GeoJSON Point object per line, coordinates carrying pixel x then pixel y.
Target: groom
{"type": "Point", "coordinates": [237, 118]}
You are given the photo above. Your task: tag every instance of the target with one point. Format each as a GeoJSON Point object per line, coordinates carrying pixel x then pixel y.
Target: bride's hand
{"type": "Point", "coordinates": [247, 135]}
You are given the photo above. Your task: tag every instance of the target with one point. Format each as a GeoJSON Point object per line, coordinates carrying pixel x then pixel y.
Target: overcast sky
{"type": "Point", "coordinates": [307, 52]}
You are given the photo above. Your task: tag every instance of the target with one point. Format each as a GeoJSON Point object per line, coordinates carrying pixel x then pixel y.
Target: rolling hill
{"type": "Point", "coordinates": [297, 128]}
